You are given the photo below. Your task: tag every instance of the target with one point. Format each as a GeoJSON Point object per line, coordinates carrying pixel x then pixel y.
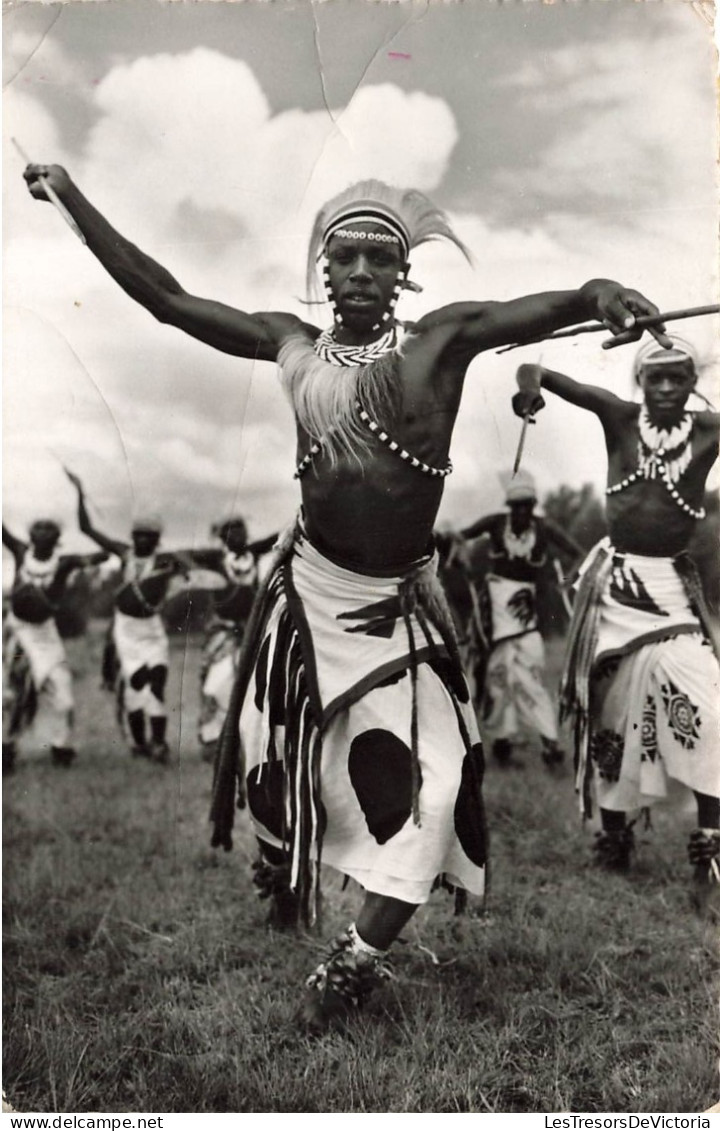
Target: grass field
{"type": "Point", "coordinates": [139, 974]}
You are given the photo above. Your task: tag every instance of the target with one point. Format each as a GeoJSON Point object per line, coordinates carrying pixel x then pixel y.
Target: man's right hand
{"type": "Point", "coordinates": [527, 404]}
{"type": "Point", "coordinates": [55, 176]}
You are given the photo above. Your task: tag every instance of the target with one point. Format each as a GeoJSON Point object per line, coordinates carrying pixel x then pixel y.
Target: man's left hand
{"type": "Point", "coordinates": [618, 307]}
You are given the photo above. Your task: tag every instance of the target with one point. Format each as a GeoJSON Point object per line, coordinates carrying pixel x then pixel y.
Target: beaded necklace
{"type": "Point", "coordinates": [662, 455]}
{"type": "Point", "coordinates": [39, 571]}
{"type": "Point", "coordinates": [137, 569]}
{"type": "Point", "coordinates": [518, 545]}
{"type": "Point", "coordinates": [327, 348]}
{"type": "Point", "coordinates": [240, 568]}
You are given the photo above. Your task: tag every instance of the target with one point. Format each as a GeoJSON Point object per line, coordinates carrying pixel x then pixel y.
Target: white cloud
{"type": "Point", "coordinates": [188, 160]}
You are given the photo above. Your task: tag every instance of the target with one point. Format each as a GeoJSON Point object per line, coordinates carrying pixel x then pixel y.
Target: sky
{"type": "Point", "coordinates": [566, 141]}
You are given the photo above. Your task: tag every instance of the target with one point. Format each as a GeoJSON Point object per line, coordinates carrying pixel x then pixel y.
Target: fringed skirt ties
{"type": "Point", "coordinates": [641, 683]}
{"type": "Point", "coordinates": [360, 743]}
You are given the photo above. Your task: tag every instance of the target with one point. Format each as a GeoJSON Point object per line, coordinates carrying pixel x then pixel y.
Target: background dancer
{"type": "Point", "coordinates": [357, 714]}
{"type": "Point", "coordinates": [139, 637]}
{"type": "Point", "coordinates": [641, 678]}
{"type": "Point", "coordinates": [514, 696]}
{"type": "Point", "coordinates": [36, 672]}
{"type": "Point", "coordinates": [237, 564]}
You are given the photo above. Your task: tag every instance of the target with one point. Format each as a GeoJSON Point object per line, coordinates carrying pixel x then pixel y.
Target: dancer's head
{"type": "Point", "coordinates": [366, 234]}
{"type": "Point", "coordinates": [146, 532]}
{"type": "Point", "coordinates": [667, 377]}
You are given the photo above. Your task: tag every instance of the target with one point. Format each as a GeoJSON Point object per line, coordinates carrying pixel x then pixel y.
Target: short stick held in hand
{"type": "Point", "coordinates": [52, 196]}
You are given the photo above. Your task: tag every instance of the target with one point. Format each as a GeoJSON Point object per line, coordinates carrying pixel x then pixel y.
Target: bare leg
{"type": "Point", "coordinates": [382, 918]}
{"type": "Point", "coordinates": [614, 845]}
{"type": "Point", "coordinates": [708, 809]}
{"type": "Point", "coordinates": [704, 854]}
{"type": "Point", "coordinates": [354, 965]}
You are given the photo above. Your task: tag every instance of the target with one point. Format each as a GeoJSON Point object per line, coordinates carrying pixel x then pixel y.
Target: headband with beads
{"type": "Point", "coordinates": [373, 214]}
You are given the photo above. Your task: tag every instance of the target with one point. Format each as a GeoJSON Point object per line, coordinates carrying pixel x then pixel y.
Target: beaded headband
{"type": "Point", "coordinates": [368, 214]}
{"type": "Point", "coordinates": [380, 237]}
{"type": "Point", "coordinates": [652, 354]}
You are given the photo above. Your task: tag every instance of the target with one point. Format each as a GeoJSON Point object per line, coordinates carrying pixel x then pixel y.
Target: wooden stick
{"type": "Point", "coordinates": [641, 323]}
{"type": "Point", "coordinates": [52, 196]}
{"type": "Point", "coordinates": [527, 419]}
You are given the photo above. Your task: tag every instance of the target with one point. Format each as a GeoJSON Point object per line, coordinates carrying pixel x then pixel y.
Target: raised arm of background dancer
{"type": "Point", "coordinates": [111, 545]}
{"type": "Point", "coordinates": [175, 561]}
{"type": "Point", "coordinates": [207, 557]}
{"type": "Point", "coordinates": [482, 526]}
{"type": "Point", "coordinates": [16, 547]}
{"type": "Point", "coordinates": [485, 325]}
{"type": "Point", "coordinates": [148, 283]}
{"type": "Point", "coordinates": [595, 399]}
{"type": "Point", "coordinates": [70, 562]}
{"type": "Point", "coordinates": [561, 541]}
{"type": "Point", "coordinates": [263, 545]}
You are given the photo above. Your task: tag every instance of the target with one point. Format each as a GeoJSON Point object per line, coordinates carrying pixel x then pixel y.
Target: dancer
{"type": "Point", "coordinates": [138, 635]}
{"type": "Point", "coordinates": [360, 740]}
{"type": "Point", "coordinates": [36, 673]}
{"type": "Point", "coordinates": [237, 564]}
{"type": "Point", "coordinates": [514, 695]}
{"type": "Point", "coordinates": [641, 677]}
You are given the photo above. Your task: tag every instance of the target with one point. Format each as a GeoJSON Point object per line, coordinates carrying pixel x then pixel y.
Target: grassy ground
{"type": "Point", "coordinates": [140, 976]}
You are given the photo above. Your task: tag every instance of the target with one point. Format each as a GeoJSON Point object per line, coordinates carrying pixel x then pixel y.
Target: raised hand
{"type": "Point", "coordinates": [38, 177]}
{"type": "Point", "coordinates": [75, 480]}
{"type": "Point", "coordinates": [529, 400]}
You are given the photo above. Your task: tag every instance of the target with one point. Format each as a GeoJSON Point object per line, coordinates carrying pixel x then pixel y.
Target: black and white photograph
{"type": "Point", "coordinates": [361, 601]}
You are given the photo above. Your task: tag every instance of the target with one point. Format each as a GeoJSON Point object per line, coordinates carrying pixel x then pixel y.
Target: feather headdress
{"type": "Point", "coordinates": [406, 213]}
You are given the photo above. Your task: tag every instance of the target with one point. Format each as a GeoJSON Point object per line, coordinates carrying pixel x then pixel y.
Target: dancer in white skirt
{"type": "Point", "coordinates": [641, 683]}
{"type": "Point", "coordinates": [514, 697]}
{"type": "Point", "coordinates": [236, 562]}
{"type": "Point", "coordinates": [36, 674]}
{"type": "Point", "coordinates": [139, 639]}
{"type": "Point", "coordinates": [375, 404]}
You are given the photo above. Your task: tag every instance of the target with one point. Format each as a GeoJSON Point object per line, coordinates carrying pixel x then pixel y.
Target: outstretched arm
{"type": "Point", "coordinates": [557, 537]}
{"type": "Point", "coordinates": [263, 545]}
{"type": "Point", "coordinates": [70, 562]}
{"type": "Point", "coordinates": [14, 545]}
{"type": "Point", "coordinates": [220, 326]}
{"type": "Point", "coordinates": [531, 378]}
{"type": "Point", "coordinates": [482, 526]}
{"type": "Point", "coordinates": [110, 545]}
{"type": "Point", "coordinates": [486, 325]}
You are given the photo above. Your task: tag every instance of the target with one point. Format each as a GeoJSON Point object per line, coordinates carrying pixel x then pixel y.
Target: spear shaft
{"type": "Point", "coordinates": [641, 323]}
{"type": "Point", "coordinates": [527, 419]}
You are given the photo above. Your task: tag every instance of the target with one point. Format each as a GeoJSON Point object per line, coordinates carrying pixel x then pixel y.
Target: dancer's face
{"type": "Point", "coordinates": [234, 535]}
{"type": "Point", "coordinates": [666, 389]}
{"type": "Point", "coordinates": [521, 514]}
{"type": "Point", "coordinates": [44, 536]}
{"type": "Point", "coordinates": [363, 272]}
{"type": "Point", "coordinates": [145, 542]}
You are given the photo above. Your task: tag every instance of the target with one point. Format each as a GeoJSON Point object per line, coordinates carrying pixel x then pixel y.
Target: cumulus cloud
{"type": "Point", "coordinates": [182, 138]}
{"type": "Point", "coordinates": [187, 158]}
